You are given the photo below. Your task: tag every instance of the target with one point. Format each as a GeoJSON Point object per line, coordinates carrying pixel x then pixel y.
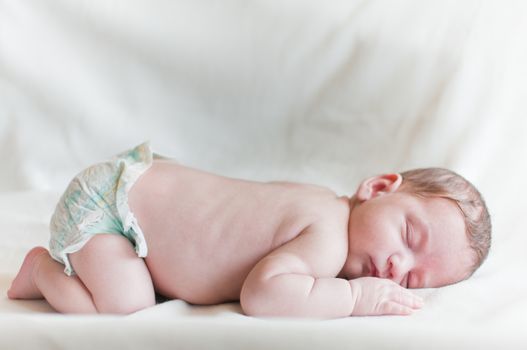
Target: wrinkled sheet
{"type": "Point", "coordinates": [300, 90]}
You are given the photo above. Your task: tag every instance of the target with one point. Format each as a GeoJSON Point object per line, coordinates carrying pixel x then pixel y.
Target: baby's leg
{"type": "Point", "coordinates": [118, 280]}
{"type": "Point", "coordinates": [111, 278]}
{"type": "Point", "coordinates": [42, 277]}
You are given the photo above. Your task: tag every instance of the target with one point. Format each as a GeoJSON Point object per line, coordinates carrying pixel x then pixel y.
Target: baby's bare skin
{"type": "Point", "coordinates": [206, 232]}
{"type": "Point", "coordinates": [281, 249]}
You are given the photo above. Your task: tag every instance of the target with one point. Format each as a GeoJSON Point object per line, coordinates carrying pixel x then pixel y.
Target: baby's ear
{"type": "Point", "coordinates": [378, 186]}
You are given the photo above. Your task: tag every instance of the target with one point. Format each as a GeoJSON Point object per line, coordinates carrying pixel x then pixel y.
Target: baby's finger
{"type": "Point", "coordinates": [394, 308]}
{"type": "Point", "coordinates": [409, 299]}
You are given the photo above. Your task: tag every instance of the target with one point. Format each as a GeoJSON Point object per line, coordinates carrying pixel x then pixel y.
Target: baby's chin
{"type": "Point", "coordinates": [356, 269]}
{"type": "Point", "coordinates": [358, 275]}
{"type": "Point", "coordinates": [352, 273]}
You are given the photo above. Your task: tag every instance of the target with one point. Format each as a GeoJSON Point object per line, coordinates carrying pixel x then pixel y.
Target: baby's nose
{"type": "Point", "coordinates": [399, 265]}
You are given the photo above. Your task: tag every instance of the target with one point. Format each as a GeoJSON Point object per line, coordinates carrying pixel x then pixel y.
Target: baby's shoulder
{"type": "Point", "coordinates": [317, 204]}
{"type": "Point", "coordinates": [326, 202]}
{"type": "Point", "coordinates": [325, 207]}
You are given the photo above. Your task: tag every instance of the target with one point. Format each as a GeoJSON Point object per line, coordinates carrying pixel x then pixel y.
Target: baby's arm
{"type": "Point", "coordinates": [296, 280]}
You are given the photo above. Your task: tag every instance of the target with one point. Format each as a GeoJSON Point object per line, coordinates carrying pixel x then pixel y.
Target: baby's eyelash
{"type": "Point", "coordinates": [407, 235]}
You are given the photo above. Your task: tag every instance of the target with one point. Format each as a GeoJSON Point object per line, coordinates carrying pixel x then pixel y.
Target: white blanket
{"type": "Point", "coordinates": [318, 91]}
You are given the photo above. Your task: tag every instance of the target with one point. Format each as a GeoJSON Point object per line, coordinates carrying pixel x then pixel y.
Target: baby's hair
{"type": "Point", "coordinates": [444, 183]}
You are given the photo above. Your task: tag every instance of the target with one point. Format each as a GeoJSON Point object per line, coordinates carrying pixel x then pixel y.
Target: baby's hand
{"type": "Point", "coordinates": [380, 296]}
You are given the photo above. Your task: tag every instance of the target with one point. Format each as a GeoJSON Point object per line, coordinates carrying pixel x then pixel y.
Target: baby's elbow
{"type": "Point", "coordinates": [249, 307]}
{"type": "Point", "coordinates": [256, 301]}
{"type": "Point", "coordinates": [260, 294]}
{"type": "Point", "coordinates": [256, 308]}
{"type": "Point", "coordinates": [249, 302]}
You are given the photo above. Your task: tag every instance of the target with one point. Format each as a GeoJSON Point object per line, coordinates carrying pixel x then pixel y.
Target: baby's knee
{"type": "Point", "coordinates": [127, 304]}
{"type": "Point", "coordinates": [118, 280]}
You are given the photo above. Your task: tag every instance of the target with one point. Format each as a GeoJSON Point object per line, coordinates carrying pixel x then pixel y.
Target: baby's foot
{"type": "Point", "coordinates": [23, 286]}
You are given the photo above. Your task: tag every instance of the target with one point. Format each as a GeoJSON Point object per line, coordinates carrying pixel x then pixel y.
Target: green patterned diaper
{"type": "Point", "coordinates": [96, 201]}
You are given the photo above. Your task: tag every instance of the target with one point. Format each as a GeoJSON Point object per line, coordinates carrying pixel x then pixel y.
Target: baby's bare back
{"type": "Point", "coordinates": [206, 232]}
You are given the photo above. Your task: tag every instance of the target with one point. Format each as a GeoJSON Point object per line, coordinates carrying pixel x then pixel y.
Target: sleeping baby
{"type": "Point", "coordinates": [141, 224]}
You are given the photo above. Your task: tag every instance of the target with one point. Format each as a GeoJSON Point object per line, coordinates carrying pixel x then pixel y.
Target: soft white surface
{"type": "Point", "coordinates": [318, 91]}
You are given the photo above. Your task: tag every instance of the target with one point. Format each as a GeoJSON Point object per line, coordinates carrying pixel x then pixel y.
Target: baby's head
{"type": "Point", "coordinates": [421, 228]}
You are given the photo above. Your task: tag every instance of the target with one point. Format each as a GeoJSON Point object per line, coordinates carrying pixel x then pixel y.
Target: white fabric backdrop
{"type": "Point", "coordinates": [327, 92]}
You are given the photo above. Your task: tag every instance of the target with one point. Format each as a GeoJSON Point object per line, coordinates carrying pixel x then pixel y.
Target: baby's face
{"type": "Point", "coordinates": [416, 242]}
